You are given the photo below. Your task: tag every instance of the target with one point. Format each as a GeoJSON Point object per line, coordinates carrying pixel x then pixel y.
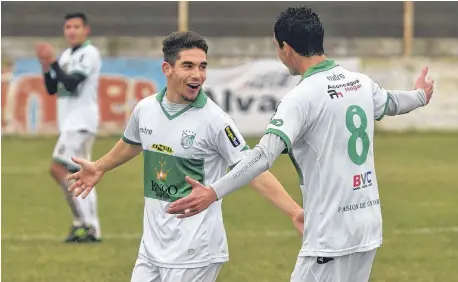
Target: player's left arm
{"type": "Point", "coordinates": [85, 64]}
{"type": "Point", "coordinates": [400, 102]}
{"type": "Point", "coordinates": [232, 146]}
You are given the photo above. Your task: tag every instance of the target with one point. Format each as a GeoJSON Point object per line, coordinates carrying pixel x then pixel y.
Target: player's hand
{"type": "Point", "coordinates": [39, 52]}
{"type": "Point", "coordinates": [45, 53]}
{"type": "Point", "coordinates": [85, 179]}
{"type": "Point", "coordinates": [298, 221]}
{"type": "Point", "coordinates": [199, 200]}
{"type": "Point", "coordinates": [425, 83]}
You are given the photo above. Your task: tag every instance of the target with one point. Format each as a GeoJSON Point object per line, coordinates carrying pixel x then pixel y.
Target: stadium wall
{"type": "Point", "coordinates": [247, 88]}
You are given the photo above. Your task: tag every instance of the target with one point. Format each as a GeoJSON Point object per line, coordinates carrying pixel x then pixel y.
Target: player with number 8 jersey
{"type": "Point", "coordinates": [328, 158]}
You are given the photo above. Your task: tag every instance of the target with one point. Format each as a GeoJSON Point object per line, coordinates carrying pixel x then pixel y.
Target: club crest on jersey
{"type": "Point", "coordinates": [187, 138]}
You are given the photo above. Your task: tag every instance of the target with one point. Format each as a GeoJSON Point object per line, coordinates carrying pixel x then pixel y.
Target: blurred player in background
{"type": "Point", "coordinates": [74, 76]}
{"type": "Point", "coordinates": [181, 132]}
{"type": "Point", "coordinates": [326, 125]}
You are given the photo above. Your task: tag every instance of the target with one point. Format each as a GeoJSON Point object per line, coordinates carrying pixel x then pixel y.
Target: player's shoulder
{"type": "Point", "coordinates": [215, 113]}
{"type": "Point", "coordinates": [90, 49]}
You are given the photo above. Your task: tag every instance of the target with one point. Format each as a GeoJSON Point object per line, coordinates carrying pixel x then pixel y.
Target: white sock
{"type": "Point", "coordinates": [89, 211]}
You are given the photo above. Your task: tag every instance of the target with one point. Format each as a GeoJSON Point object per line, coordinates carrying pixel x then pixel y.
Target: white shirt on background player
{"type": "Point", "coordinates": [81, 111]}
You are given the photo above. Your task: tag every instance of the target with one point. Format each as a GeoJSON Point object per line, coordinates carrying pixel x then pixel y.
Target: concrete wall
{"type": "Point", "coordinates": [434, 19]}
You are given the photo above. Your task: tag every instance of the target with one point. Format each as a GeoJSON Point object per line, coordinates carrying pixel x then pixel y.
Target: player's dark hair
{"type": "Point", "coordinates": [179, 41]}
{"type": "Point", "coordinates": [81, 16]}
{"type": "Point", "coordinates": [301, 28]}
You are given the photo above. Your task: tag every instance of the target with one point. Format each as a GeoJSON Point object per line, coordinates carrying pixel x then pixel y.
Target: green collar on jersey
{"type": "Point", "coordinates": [323, 66]}
{"type": "Point", "coordinates": [86, 43]}
{"type": "Point", "coordinates": [200, 102]}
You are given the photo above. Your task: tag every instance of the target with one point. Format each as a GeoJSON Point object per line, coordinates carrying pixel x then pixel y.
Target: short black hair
{"type": "Point", "coordinates": [176, 42]}
{"type": "Point", "coordinates": [81, 16]}
{"type": "Point", "coordinates": [301, 28]}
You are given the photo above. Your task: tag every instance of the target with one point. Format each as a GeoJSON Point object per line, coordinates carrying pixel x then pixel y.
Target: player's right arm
{"type": "Point", "coordinates": [286, 126]}
{"type": "Point", "coordinates": [125, 149]}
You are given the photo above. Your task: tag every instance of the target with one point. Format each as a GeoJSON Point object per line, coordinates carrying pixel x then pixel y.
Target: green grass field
{"type": "Point", "coordinates": [418, 186]}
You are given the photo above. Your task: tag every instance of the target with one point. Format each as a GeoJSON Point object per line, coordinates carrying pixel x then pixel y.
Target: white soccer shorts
{"type": "Point", "coordinates": [145, 271]}
{"type": "Point", "coordinates": [73, 144]}
{"type": "Point", "coordinates": [355, 267]}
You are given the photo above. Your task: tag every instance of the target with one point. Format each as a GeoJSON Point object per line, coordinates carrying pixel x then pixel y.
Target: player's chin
{"type": "Point", "coordinates": [192, 91]}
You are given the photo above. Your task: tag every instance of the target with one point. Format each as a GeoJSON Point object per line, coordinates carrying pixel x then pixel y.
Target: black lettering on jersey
{"type": "Point", "coordinates": [230, 134]}
{"type": "Point", "coordinates": [335, 77]}
{"type": "Point", "coordinates": [323, 260]}
{"type": "Point", "coordinates": [332, 93]}
{"type": "Point", "coordinates": [81, 58]}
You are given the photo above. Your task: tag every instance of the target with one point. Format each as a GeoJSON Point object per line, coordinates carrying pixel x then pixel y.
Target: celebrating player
{"type": "Point", "coordinates": [74, 77]}
{"type": "Point", "coordinates": [326, 125]}
{"type": "Point", "coordinates": [181, 132]}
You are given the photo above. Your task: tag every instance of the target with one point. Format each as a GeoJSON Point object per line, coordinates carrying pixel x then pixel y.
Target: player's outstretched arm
{"type": "Point", "coordinates": [270, 188]}
{"type": "Point", "coordinates": [91, 172]}
{"type": "Point", "coordinates": [400, 102]}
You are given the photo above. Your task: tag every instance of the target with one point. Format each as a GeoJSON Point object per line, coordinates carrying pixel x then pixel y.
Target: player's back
{"type": "Point", "coordinates": [334, 155]}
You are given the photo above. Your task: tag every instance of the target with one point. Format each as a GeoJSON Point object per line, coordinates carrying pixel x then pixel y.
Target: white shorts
{"type": "Point", "coordinates": [355, 267]}
{"type": "Point", "coordinates": [73, 144]}
{"type": "Point", "coordinates": [145, 271]}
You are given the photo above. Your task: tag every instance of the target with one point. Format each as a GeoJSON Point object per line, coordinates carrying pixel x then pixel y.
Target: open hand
{"type": "Point", "coordinates": [85, 179]}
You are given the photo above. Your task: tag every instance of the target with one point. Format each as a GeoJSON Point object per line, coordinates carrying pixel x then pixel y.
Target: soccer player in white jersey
{"type": "Point", "coordinates": [326, 125]}
{"type": "Point", "coordinates": [74, 77]}
{"type": "Point", "coordinates": [181, 132]}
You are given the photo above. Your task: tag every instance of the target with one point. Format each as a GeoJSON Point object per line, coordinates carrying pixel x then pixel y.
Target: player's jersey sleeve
{"type": "Point", "coordinates": [87, 61]}
{"type": "Point", "coordinates": [132, 132]}
{"type": "Point", "coordinates": [380, 98]}
{"type": "Point", "coordinates": [229, 142]}
{"type": "Point", "coordinates": [288, 122]}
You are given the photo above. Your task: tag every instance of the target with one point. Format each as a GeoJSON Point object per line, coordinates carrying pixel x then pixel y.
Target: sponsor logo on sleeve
{"type": "Point", "coordinates": [231, 135]}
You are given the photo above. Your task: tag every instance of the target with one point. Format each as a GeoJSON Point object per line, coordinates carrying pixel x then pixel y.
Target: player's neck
{"type": "Point", "coordinates": [174, 98]}
{"type": "Point", "coordinates": [307, 62]}
{"type": "Point", "coordinates": [74, 47]}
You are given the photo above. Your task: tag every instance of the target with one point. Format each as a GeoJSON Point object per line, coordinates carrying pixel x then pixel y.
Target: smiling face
{"type": "Point", "coordinates": [187, 75]}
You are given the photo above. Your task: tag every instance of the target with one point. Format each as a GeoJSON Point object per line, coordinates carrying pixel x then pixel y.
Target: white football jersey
{"type": "Point", "coordinates": [327, 123]}
{"type": "Point", "coordinates": [80, 110]}
{"type": "Point", "coordinates": [200, 141]}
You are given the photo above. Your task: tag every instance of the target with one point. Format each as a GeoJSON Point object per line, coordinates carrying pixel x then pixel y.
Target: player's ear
{"type": "Point", "coordinates": [166, 68]}
{"type": "Point", "coordinates": [287, 48]}
{"type": "Point", "coordinates": [87, 29]}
